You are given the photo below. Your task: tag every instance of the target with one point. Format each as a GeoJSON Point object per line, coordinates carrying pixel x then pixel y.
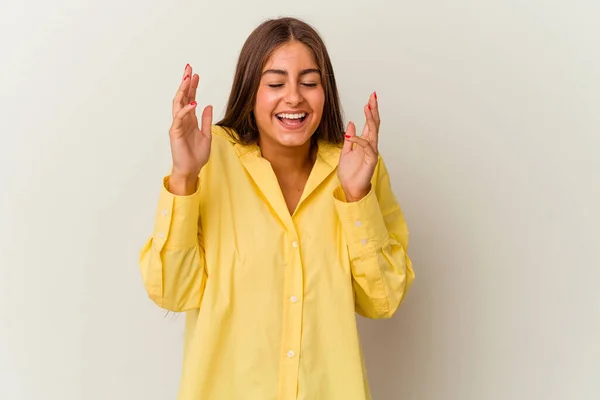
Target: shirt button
{"type": "Point", "coordinates": [364, 241]}
{"type": "Point", "coordinates": [293, 299]}
{"type": "Point", "coordinates": [161, 235]}
{"type": "Point", "coordinates": [295, 243]}
{"type": "Point", "coordinates": [165, 212]}
{"type": "Point", "coordinates": [358, 223]}
{"type": "Point", "coordinates": [291, 354]}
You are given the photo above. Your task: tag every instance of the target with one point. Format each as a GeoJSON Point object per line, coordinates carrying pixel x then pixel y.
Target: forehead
{"type": "Point", "coordinates": [292, 57]}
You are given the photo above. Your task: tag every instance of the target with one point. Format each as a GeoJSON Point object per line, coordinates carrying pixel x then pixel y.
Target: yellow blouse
{"type": "Point", "coordinates": [270, 298]}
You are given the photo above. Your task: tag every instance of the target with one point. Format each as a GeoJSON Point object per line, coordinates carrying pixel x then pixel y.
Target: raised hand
{"type": "Point", "coordinates": [190, 144]}
{"type": "Point", "coordinates": [359, 155]}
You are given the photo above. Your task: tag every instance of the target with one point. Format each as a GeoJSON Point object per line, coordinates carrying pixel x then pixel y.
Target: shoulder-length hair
{"type": "Point", "coordinates": [253, 57]}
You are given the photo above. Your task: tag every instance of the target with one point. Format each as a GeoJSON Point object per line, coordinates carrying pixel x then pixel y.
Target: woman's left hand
{"type": "Point", "coordinates": [359, 155]}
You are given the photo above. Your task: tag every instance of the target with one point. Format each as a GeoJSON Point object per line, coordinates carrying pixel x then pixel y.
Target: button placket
{"type": "Point", "coordinates": [293, 316]}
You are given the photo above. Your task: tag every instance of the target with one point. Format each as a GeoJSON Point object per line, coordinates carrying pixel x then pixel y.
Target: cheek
{"type": "Point", "coordinates": [265, 103]}
{"type": "Point", "coordinates": [318, 102]}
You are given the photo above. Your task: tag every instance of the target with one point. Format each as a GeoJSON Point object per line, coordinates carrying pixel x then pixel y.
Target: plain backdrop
{"type": "Point", "coordinates": [490, 127]}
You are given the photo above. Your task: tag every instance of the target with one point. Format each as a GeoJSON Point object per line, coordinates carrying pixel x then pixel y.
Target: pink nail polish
{"type": "Point", "coordinates": [186, 65]}
{"type": "Point", "coordinates": [187, 76]}
{"type": "Point", "coordinates": [368, 105]}
{"type": "Point", "coordinates": [193, 103]}
{"type": "Point", "coordinates": [375, 94]}
{"type": "Point", "coordinates": [347, 136]}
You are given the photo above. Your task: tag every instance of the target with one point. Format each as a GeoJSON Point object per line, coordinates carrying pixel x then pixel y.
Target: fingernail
{"type": "Point", "coordinates": [193, 103]}
{"type": "Point", "coordinates": [375, 94]}
{"type": "Point", "coordinates": [347, 136]}
{"type": "Point", "coordinates": [368, 105]}
{"type": "Point", "coordinates": [187, 76]}
{"type": "Point", "coordinates": [186, 65]}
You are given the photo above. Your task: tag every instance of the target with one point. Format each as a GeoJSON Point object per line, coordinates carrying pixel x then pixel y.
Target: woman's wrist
{"type": "Point", "coordinates": [183, 185]}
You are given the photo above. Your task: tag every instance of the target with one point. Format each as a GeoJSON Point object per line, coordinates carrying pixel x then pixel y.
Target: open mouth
{"type": "Point", "coordinates": [292, 120]}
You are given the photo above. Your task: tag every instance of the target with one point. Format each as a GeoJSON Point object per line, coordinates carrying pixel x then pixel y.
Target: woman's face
{"type": "Point", "coordinates": [290, 97]}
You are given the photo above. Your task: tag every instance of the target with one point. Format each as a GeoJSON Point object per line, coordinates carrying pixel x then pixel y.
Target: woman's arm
{"type": "Point", "coordinates": [172, 260]}
{"type": "Point", "coordinates": [377, 240]}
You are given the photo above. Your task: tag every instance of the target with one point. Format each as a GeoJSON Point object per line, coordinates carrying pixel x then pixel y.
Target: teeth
{"type": "Point", "coordinates": [292, 116]}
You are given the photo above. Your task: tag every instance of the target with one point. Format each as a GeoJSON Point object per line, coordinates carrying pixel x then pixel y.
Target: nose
{"type": "Point", "coordinates": [293, 96]}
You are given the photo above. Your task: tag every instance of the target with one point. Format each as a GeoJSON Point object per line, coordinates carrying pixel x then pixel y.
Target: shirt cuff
{"type": "Point", "coordinates": [362, 222]}
{"type": "Point", "coordinates": [176, 220]}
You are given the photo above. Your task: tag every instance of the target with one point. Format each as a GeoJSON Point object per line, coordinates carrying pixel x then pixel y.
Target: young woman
{"type": "Point", "coordinates": [274, 228]}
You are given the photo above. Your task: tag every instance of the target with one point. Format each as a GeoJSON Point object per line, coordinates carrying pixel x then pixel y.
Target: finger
{"type": "Point", "coordinates": [374, 103]}
{"type": "Point", "coordinates": [373, 130]}
{"type": "Point", "coordinates": [207, 121]}
{"type": "Point", "coordinates": [185, 111]}
{"type": "Point", "coordinates": [350, 133]}
{"type": "Point", "coordinates": [187, 76]}
{"type": "Point", "coordinates": [181, 97]}
{"type": "Point", "coordinates": [194, 86]}
{"type": "Point", "coordinates": [364, 144]}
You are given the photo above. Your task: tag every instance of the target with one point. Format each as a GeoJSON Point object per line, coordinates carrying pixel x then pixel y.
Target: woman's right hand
{"type": "Point", "coordinates": [190, 144]}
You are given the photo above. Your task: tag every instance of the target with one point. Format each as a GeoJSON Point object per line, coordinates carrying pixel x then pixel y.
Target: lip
{"type": "Point", "coordinates": [293, 127]}
{"type": "Point", "coordinates": [292, 112]}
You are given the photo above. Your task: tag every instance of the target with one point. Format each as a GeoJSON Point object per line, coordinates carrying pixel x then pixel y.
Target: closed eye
{"type": "Point", "coordinates": [278, 85]}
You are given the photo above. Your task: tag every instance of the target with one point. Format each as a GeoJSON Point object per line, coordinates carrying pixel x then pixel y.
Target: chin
{"type": "Point", "coordinates": [293, 136]}
{"type": "Point", "coordinates": [291, 140]}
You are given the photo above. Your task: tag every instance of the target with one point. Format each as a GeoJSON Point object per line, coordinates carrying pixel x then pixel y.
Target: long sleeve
{"type": "Point", "coordinates": [172, 260]}
{"type": "Point", "coordinates": [377, 240]}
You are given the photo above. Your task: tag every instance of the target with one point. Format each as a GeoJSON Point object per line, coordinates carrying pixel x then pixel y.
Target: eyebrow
{"type": "Point", "coordinates": [285, 73]}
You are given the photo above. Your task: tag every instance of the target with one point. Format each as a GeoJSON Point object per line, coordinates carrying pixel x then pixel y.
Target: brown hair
{"type": "Point", "coordinates": [255, 53]}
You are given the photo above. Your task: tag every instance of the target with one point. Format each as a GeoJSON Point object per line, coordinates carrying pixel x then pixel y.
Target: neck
{"type": "Point", "coordinates": [288, 160]}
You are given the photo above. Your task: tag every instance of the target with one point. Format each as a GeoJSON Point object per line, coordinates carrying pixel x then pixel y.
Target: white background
{"type": "Point", "coordinates": [491, 130]}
